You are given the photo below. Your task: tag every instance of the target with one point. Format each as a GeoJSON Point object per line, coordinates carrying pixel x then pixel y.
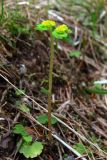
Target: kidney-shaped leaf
{"type": "Point", "coordinates": [43, 119]}
{"type": "Point", "coordinates": [31, 150]}
{"type": "Point", "coordinates": [19, 129]}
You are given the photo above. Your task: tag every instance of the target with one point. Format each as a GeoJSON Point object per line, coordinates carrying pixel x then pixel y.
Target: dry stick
{"type": "Point", "coordinates": [50, 83]}
{"type": "Point", "coordinates": [71, 129]}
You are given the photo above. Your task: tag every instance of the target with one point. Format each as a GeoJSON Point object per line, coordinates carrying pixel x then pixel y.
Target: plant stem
{"type": "Point", "coordinates": [50, 83]}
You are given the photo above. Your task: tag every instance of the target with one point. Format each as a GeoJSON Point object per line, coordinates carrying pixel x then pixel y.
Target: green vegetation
{"type": "Point", "coordinates": [80, 148]}
{"type": "Point", "coordinates": [26, 146]}
{"type": "Point", "coordinates": [97, 88]}
{"type": "Point", "coordinates": [43, 119]}
{"type": "Point", "coordinates": [63, 48]}
{"type": "Point", "coordinates": [75, 54]}
{"type": "Point", "coordinates": [60, 32]}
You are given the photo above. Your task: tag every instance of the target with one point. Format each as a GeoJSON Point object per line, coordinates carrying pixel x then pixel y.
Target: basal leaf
{"type": "Point", "coordinates": [19, 129]}
{"type": "Point", "coordinates": [31, 150]}
{"type": "Point", "coordinates": [43, 119]}
{"type": "Point", "coordinates": [27, 138]}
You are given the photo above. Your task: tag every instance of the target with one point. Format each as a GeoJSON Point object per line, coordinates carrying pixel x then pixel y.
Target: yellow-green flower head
{"type": "Point", "coordinates": [62, 28]}
{"type": "Point", "coordinates": [49, 23]}
{"type": "Point", "coordinates": [61, 32]}
{"type": "Point", "coordinates": [46, 25]}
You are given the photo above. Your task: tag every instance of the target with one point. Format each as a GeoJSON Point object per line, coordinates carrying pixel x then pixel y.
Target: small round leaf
{"type": "Point", "coordinates": [31, 150]}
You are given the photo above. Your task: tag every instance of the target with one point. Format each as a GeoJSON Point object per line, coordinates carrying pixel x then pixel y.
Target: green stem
{"type": "Point", "coordinates": [50, 83]}
{"type": "Point", "coordinates": [2, 9]}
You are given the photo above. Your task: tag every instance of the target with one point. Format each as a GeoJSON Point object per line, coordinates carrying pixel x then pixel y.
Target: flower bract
{"type": "Point", "coordinates": [46, 25]}
{"type": "Point", "coordinates": [61, 32]}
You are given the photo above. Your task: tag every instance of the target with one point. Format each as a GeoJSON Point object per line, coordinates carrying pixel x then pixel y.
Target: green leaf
{"type": "Point", "coordinates": [94, 17]}
{"type": "Point", "coordinates": [31, 150]}
{"type": "Point", "coordinates": [54, 120]}
{"type": "Point", "coordinates": [19, 129]}
{"type": "Point", "coordinates": [69, 40]}
{"type": "Point", "coordinates": [23, 107]}
{"type": "Point", "coordinates": [80, 148]}
{"type": "Point", "coordinates": [43, 119]}
{"type": "Point", "coordinates": [44, 90]}
{"type": "Point", "coordinates": [75, 54]}
{"type": "Point", "coordinates": [98, 86]}
{"type": "Point", "coordinates": [59, 35]}
{"type": "Point", "coordinates": [96, 90]}
{"type": "Point", "coordinates": [27, 138]}
{"type": "Point", "coordinates": [40, 27]}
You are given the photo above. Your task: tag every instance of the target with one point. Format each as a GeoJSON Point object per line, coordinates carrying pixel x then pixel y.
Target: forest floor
{"type": "Point", "coordinates": [24, 66]}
